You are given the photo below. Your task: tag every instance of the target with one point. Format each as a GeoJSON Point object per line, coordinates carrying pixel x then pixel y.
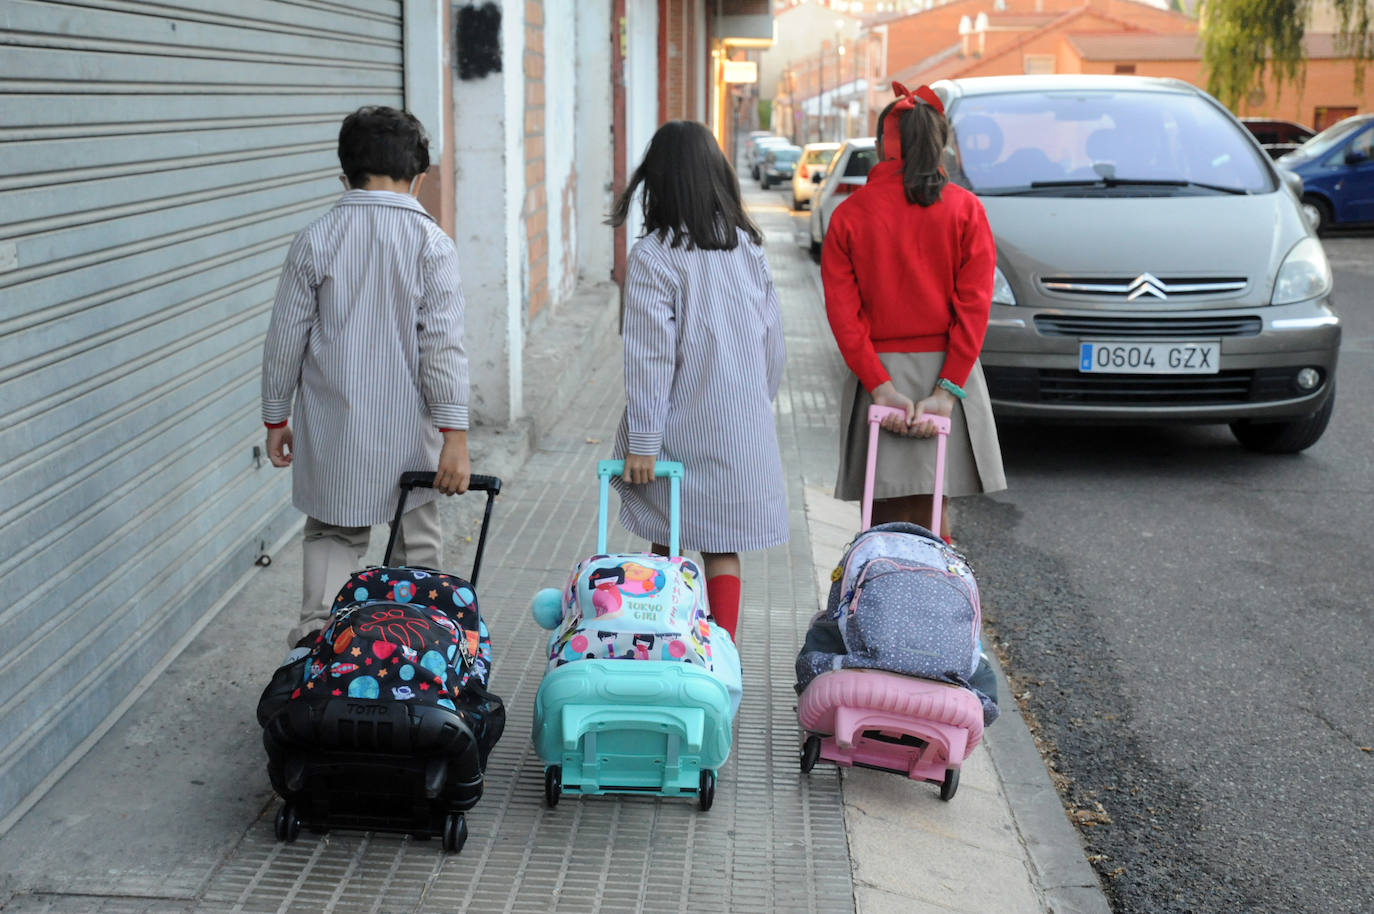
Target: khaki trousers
{"type": "Point", "coordinates": [330, 554]}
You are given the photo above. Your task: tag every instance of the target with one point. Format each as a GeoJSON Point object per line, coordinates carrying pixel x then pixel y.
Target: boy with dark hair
{"type": "Point", "coordinates": [367, 337]}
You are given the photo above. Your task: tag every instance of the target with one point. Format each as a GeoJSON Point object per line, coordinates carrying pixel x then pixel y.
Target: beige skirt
{"type": "Point", "coordinates": [906, 466]}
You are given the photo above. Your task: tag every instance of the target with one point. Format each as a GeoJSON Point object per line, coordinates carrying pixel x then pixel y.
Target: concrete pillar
{"type": "Point", "coordinates": [488, 119]}
{"type": "Point", "coordinates": [427, 56]}
{"type": "Point", "coordinates": [594, 143]}
{"type": "Point", "coordinates": [562, 129]}
{"type": "Point", "coordinates": [641, 91]}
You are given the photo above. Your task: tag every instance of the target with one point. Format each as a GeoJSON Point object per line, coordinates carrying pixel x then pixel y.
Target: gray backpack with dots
{"type": "Point", "coordinates": [904, 601]}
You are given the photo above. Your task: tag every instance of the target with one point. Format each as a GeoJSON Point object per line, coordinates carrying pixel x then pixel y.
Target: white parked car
{"type": "Point", "coordinates": [815, 158]}
{"type": "Point", "coordinates": [847, 172]}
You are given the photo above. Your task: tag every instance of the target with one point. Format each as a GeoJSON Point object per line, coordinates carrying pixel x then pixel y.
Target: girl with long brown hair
{"type": "Point", "coordinates": [703, 361]}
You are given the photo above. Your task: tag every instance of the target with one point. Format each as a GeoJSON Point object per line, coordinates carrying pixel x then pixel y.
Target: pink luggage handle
{"type": "Point", "coordinates": [876, 414]}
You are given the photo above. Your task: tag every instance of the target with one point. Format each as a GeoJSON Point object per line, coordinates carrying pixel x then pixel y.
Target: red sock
{"type": "Point", "coordinates": [723, 593]}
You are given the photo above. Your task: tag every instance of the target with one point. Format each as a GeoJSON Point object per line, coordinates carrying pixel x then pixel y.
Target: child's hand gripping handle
{"type": "Point", "coordinates": [605, 469]}
{"type": "Point", "coordinates": [422, 479]}
{"type": "Point", "coordinates": [876, 414]}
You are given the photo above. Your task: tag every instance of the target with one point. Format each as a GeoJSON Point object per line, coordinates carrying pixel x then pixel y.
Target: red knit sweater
{"type": "Point", "coordinates": [900, 277]}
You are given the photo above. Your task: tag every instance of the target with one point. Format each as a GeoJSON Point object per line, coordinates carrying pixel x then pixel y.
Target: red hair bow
{"type": "Point", "coordinates": [907, 100]}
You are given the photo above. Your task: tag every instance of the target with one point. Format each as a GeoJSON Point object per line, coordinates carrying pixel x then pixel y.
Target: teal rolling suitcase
{"type": "Point", "coordinates": [652, 725]}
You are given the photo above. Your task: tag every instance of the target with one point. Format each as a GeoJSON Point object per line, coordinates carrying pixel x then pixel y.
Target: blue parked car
{"type": "Point", "coordinates": [1337, 171]}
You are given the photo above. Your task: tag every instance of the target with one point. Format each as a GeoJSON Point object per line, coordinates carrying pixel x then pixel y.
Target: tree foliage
{"type": "Point", "coordinates": [1243, 40]}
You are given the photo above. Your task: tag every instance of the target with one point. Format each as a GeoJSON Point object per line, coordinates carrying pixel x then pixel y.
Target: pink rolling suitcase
{"type": "Point", "coordinates": [921, 728]}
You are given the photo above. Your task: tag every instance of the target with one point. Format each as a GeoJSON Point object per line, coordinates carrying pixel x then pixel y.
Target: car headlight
{"type": "Point", "coordinates": [1305, 274]}
{"type": "Point", "coordinates": [1001, 289]}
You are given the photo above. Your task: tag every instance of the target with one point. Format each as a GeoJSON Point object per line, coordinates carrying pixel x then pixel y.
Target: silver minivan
{"type": "Point", "coordinates": [1153, 265]}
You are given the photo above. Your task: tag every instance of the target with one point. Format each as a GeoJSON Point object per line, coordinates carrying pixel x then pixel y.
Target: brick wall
{"type": "Point", "coordinates": [535, 212]}
{"type": "Point", "coordinates": [1009, 56]}
{"type": "Point", "coordinates": [680, 69]}
{"type": "Point", "coordinates": [1329, 83]}
{"type": "Point", "coordinates": [695, 75]}
{"type": "Point", "coordinates": [670, 60]}
{"type": "Point", "coordinates": [915, 38]}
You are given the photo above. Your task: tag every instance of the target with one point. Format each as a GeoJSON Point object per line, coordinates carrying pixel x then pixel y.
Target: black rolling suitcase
{"type": "Point", "coordinates": [385, 722]}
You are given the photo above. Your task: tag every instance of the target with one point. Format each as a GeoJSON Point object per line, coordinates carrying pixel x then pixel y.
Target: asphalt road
{"type": "Point", "coordinates": [1190, 625]}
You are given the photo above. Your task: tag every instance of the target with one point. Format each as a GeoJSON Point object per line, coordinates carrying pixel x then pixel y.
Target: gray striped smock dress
{"type": "Point", "coordinates": [704, 355]}
{"type": "Point", "coordinates": [367, 338]}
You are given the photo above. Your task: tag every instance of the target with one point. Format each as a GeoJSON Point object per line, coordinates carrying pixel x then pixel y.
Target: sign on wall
{"type": "Point", "coordinates": [740, 71]}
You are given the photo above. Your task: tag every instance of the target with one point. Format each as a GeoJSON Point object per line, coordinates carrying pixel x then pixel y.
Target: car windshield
{"type": "Point", "coordinates": [786, 154]}
{"type": "Point", "coordinates": [818, 156]}
{"type": "Point", "coordinates": [1101, 142]}
{"type": "Point", "coordinates": [1329, 138]}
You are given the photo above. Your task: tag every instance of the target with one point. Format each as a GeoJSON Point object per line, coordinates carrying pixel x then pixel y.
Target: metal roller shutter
{"type": "Point", "coordinates": [155, 161]}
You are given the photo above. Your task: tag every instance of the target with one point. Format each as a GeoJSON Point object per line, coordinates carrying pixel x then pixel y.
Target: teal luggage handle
{"type": "Point", "coordinates": [605, 469]}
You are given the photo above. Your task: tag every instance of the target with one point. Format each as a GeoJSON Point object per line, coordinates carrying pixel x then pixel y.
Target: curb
{"type": "Point", "coordinates": [1059, 865]}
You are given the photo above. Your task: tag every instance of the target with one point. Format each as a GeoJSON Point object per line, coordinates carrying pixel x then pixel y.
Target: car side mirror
{"type": "Point", "coordinates": [818, 177]}
{"type": "Point", "coordinates": [1355, 158]}
{"type": "Point", "coordinates": [1292, 180]}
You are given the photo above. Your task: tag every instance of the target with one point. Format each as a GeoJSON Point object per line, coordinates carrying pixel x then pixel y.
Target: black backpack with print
{"type": "Point", "coordinates": [385, 722]}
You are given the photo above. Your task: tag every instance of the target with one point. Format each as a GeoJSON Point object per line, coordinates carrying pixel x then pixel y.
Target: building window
{"type": "Point", "coordinates": [1039, 63]}
{"type": "Point", "coordinates": [1326, 116]}
{"type": "Point", "coordinates": [1124, 68]}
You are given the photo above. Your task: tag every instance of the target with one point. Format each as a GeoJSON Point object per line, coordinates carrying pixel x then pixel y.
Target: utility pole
{"type": "Point", "coordinates": [868, 78]}
{"type": "Point", "coordinates": [820, 94]}
{"type": "Point", "coordinates": [839, 77]}
{"type": "Point", "coordinates": [841, 120]}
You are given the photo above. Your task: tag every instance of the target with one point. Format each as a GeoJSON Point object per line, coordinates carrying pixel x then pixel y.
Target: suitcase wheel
{"type": "Point", "coordinates": [950, 784]}
{"type": "Point", "coordinates": [811, 753]}
{"type": "Point", "coordinates": [455, 832]}
{"type": "Point", "coordinates": [706, 791]}
{"type": "Point", "coordinates": [553, 785]}
{"type": "Point", "coordinates": [288, 825]}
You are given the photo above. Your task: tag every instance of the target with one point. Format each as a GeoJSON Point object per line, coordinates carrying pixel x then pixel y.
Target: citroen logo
{"type": "Point", "coordinates": [1145, 284]}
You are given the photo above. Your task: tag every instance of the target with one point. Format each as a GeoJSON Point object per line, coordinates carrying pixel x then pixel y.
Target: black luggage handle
{"type": "Point", "coordinates": [418, 479]}
{"type": "Point", "coordinates": [425, 480]}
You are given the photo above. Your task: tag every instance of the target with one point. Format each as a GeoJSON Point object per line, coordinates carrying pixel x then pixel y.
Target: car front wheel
{"type": "Point", "coordinates": [1318, 213]}
{"type": "Point", "coordinates": [1284, 437]}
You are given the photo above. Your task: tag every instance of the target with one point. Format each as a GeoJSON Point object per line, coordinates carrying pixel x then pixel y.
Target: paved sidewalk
{"type": "Point", "coordinates": [170, 810]}
{"type": "Point", "coordinates": [1003, 844]}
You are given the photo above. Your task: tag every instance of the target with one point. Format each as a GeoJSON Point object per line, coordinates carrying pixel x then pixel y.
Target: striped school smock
{"type": "Point", "coordinates": [367, 336]}
{"type": "Point", "coordinates": [703, 360]}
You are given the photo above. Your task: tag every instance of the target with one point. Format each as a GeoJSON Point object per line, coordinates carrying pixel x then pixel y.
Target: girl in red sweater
{"type": "Point", "coordinates": [908, 269]}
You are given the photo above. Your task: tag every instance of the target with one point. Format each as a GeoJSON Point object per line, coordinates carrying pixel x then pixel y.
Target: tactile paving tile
{"type": "Point", "coordinates": [773, 841]}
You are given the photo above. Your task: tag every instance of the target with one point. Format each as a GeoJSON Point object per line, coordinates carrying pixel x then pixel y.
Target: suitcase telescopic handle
{"type": "Point", "coordinates": [605, 469]}
{"type": "Point", "coordinates": [420, 479]}
{"type": "Point", "coordinates": [876, 414]}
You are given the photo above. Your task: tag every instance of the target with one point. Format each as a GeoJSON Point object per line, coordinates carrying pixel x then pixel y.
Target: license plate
{"type": "Point", "coordinates": [1148, 357]}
